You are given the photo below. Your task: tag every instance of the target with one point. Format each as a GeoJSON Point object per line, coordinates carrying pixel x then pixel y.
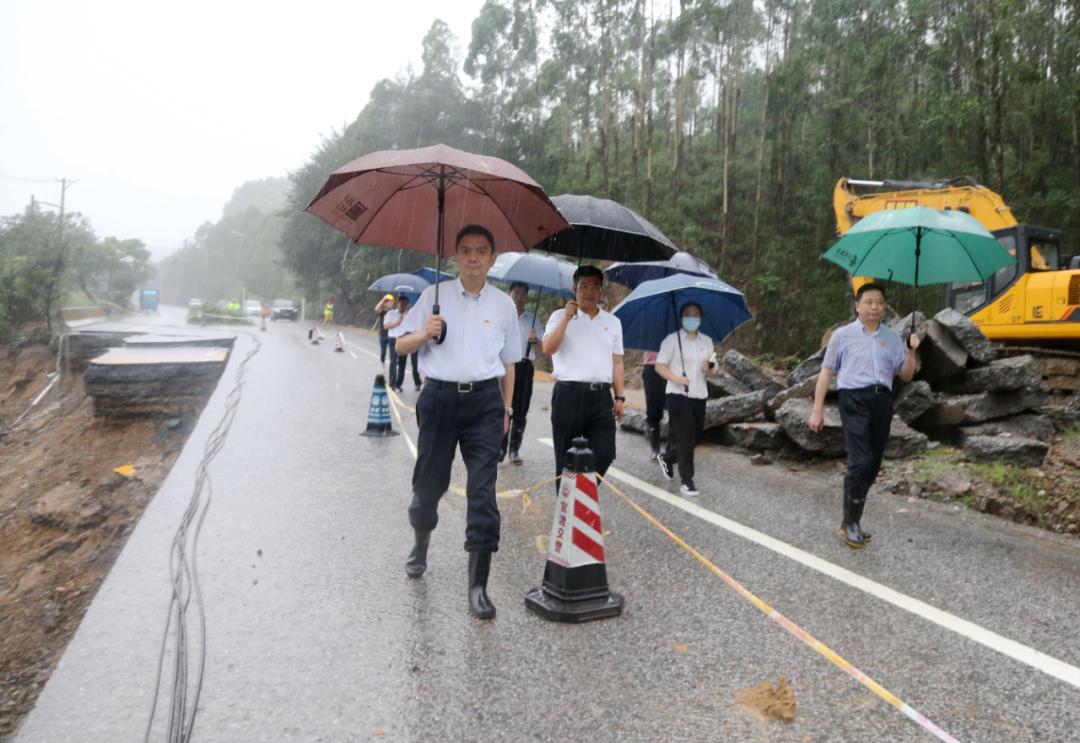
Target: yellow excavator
{"type": "Point", "coordinates": [1031, 305]}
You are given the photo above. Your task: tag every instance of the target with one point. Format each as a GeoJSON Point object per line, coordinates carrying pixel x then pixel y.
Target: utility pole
{"type": "Point", "coordinates": [58, 267]}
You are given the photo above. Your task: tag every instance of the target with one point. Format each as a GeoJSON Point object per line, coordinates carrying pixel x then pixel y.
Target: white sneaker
{"type": "Point", "coordinates": [687, 490]}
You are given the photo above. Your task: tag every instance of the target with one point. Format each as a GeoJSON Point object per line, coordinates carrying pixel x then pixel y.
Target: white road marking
{"type": "Point", "coordinates": [1029, 656]}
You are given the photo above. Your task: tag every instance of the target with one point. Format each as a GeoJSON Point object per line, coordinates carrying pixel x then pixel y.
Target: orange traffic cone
{"type": "Point", "coordinates": [339, 343]}
{"type": "Point", "coordinates": [378, 418]}
{"type": "Point", "coordinates": [575, 587]}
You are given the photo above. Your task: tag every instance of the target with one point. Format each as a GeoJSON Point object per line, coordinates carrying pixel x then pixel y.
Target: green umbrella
{"type": "Point", "coordinates": [920, 246]}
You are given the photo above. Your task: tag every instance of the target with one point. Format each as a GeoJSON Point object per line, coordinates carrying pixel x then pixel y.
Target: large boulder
{"type": "Point", "coordinates": [734, 408]}
{"type": "Point", "coordinates": [902, 325]}
{"type": "Point", "coordinates": [750, 374]}
{"type": "Point", "coordinates": [804, 389]}
{"type": "Point", "coordinates": [941, 355]}
{"type": "Point", "coordinates": [951, 410]}
{"type": "Point", "coordinates": [904, 441]}
{"type": "Point", "coordinates": [794, 415]}
{"type": "Point", "coordinates": [1014, 450]}
{"type": "Point", "coordinates": [968, 335]}
{"type": "Point", "coordinates": [722, 384]}
{"type": "Point", "coordinates": [914, 400]}
{"type": "Point", "coordinates": [1012, 373]}
{"type": "Point", "coordinates": [1024, 425]}
{"type": "Point", "coordinates": [633, 420]}
{"type": "Point", "coordinates": [810, 367]}
{"type": "Point", "coordinates": [758, 436]}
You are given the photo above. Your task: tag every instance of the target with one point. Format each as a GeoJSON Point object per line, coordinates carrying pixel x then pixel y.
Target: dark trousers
{"type": "Point", "coordinates": [866, 416]}
{"type": "Point", "coordinates": [686, 421]}
{"type": "Point", "coordinates": [384, 344]}
{"type": "Point", "coordinates": [399, 371]}
{"type": "Point", "coordinates": [523, 389]}
{"type": "Point", "coordinates": [577, 411]}
{"type": "Point", "coordinates": [655, 387]}
{"type": "Point", "coordinates": [473, 421]}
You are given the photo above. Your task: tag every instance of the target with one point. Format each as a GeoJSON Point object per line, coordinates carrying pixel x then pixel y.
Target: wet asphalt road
{"type": "Point", "coordinates": [315, 634]}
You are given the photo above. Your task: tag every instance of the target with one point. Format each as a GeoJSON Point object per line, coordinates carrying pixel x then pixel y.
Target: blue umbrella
{"type": "Point", "coordinates": [406, 284]}
{"type": "Point", "coordinates": [632, 274]}
{"type": "Point", "coordinates": [429, 275]}
{"type": "Point", "coordinates": [653, 310]}
{"type": "Point", "coordinates": [540, 272]}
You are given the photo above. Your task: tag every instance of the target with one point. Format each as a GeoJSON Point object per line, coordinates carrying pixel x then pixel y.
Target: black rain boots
{"type": "Point", "coordinates": [480, 605]}
{"type": "Point", "coordinates": [849, 528]}
{"type": "Point", "coordinates": [654, 440]}
{"type": "Point", "coordinates": [417, 562]}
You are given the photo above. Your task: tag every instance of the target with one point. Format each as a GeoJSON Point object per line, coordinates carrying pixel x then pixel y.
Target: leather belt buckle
{"type": "Point", "coordinates": [463, 387]}
{"type": "Point", "coordinates": [596, 386]}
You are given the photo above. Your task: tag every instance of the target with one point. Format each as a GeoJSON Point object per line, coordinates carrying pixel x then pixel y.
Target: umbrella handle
{"type": "Point", "coordinates": [442, 335]}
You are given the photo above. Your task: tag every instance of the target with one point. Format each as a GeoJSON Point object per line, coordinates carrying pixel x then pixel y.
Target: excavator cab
{"type": "Point", "coordinates": [1037, 249]}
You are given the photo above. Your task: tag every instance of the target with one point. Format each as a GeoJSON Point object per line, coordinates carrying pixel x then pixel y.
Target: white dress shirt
{"type": "Point", "coordinates": [393, 316]}
{"type": "Point", "coordinates": [587, 346]}
{"type": "Point", "coordinates": [528, 321]}
{"type": "Point", "coordinates": [694, 352]}
{"type": "Point", "coordinates": [481, 336]}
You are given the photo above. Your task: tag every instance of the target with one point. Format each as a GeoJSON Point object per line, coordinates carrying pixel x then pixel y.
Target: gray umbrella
{"type": "Point", "coordinates": [606, 230]}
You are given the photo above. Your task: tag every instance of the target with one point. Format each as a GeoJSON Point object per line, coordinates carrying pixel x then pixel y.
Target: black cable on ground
{"type": "Point", "coordinates": [186, 683]}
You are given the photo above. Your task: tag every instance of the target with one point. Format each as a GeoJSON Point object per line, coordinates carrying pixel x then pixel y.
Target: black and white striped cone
{"type": "Point", "coordinates": [378, 418]}
{"type": "Point", "coordinates": [339, 343]}
{"type": "Point", "coordinates": [575, 587]}
{"type": "Point", "coordinates": [314, 335]}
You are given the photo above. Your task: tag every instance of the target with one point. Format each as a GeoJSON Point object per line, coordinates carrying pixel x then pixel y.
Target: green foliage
{"type": "Point", "coordinates": [728, 124]}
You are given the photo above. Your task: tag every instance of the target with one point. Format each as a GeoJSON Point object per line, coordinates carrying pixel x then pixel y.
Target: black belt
{"type": "Point", "coordinates": [874, 389]}
{"type": "Point", "coordinates": [591, 386]}
{"type": "Point", "coordinates": [463, 387]}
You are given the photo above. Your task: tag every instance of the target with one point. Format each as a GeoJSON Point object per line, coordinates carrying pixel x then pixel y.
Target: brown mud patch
{"type": "Point", "coordinates": [769, 702]}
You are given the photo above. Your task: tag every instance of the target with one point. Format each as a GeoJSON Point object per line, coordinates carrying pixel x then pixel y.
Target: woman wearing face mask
{"type": "Point", "coordinates": [685, 357]}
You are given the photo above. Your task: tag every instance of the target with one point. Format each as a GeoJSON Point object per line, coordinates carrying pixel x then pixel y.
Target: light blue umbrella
{"type": "Point", "coordinates": [406, 284]}
{"type": "Point", "coordinates": [654, 309]}
{"type": "Point", "coordinates": [541, 273]}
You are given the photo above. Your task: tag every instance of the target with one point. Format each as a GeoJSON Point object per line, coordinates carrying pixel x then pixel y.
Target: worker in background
{"type": "Point", "coordinates": [383, 306]}
{"type": "Point", "coordinates": [399, 368]}
{"type": "Point", "coordinates": [866, 356]}
{"type": "Point", "coordinates": [328, 314]}
{"type": "Point", "coordinates": [394, 329]}
{"type": "Point", "coordinates": [531, 332]}
{"type": "Point", "coordinates": [586, 348]}
{"type": "Point", "coordinates": [465, 403]}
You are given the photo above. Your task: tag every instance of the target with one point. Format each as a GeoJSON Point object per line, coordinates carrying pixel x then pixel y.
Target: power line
{"type": "Point", "coordinates": [30, 180]}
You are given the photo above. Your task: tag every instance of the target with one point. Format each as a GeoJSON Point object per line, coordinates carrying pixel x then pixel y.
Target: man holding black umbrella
{"type": "Point", "coordinates": [467, 355]}
{"type": "Point", "coordinates": [586, 348]}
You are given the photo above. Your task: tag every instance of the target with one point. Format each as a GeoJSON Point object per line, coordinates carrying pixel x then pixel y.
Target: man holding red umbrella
{"type": "Point", "coordinates": [466, 402]}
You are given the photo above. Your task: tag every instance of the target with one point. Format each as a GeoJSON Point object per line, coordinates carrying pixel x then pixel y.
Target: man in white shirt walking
{"type": "Point", "coordinates": [586, 348]}
{"type": "Point", "coordinates": [469, 381]}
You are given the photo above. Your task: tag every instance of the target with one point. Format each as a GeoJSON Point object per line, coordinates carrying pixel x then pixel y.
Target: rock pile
{"type": "Point", "coordinates": [963, 392]}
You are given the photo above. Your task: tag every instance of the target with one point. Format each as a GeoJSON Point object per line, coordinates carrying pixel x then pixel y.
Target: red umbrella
{"type": "Point", "coordinates": [419, 199]}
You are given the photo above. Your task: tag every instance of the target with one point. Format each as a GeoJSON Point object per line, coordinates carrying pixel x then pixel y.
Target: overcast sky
{"type": "Point", "coordinates": [160, 109]}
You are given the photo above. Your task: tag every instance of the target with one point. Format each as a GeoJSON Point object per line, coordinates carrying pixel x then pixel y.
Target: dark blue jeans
{"type": "Point", "coordinates": [384, 344]}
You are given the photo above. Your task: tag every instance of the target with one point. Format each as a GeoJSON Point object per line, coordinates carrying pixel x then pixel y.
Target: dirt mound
{"type": "Point", "coordinates": [64, 513]}
{"type": "Point", "coordinates": [769, 702]}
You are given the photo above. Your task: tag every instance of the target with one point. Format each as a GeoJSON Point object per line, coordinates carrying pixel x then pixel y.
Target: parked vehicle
{"type": "Point", "coordinates": [284, 309]}
{"type": "Point", "coordinates": [148, 300]}
{"type": "Point", "coordinates": [252, 308]}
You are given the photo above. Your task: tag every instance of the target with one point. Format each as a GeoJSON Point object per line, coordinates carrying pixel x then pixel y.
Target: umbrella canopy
{"type": "Point", "coordinates": [541, 272]}
{"type": "Point", "coordinates": [603, 229]}
{"type": "Point", "coordinates": [419, 199]}
{"type": "Point", "coordinates": [919, 246]}
{"type": "Point", "coordinates": [431, 275]}
{"type": "Point", "coordinates": [632, 274]}
{"type": "Point", "coordinates": [653, 310]}
{"type": "Point", "coordinates": [400, 283]}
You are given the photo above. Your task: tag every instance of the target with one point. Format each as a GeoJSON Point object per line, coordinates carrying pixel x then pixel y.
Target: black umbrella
{"type": "Point", "coordinates": [606, 230]}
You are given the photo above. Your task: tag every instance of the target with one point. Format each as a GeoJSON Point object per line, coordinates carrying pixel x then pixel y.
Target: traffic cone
{"type": "Point", "coordinates": [378, 417]}
{"type": "Point", "coordinates": [339, 343]}
{"type": "Point", "coordinates": [314, 335]}
{"type": "Point", "coordinates": [262, 325]}
{"type": "Point", "coordinates": [575, 587]}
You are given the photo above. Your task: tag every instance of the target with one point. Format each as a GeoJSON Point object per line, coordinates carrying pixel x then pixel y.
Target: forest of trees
{"type": "Point", "coordinates": [728, 124]}
{"type": "Point", "coordinates": [237, 257]}
{"type": "Point", "coordinates": [43, 267]}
